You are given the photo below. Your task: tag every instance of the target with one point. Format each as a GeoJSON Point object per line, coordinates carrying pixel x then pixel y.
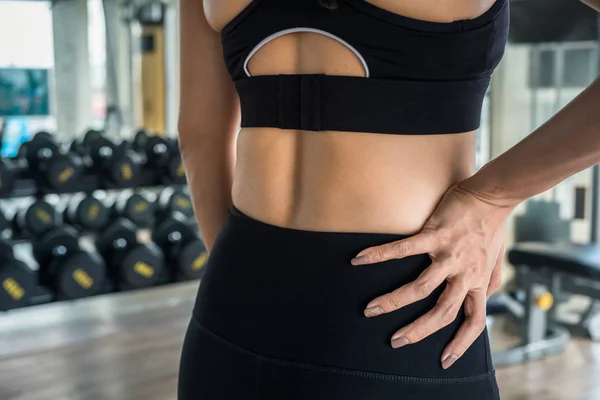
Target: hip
{"type": "Point", "coordinates": [288, 294]}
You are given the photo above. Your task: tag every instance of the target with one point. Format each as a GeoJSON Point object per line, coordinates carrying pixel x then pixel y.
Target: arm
{"type": "Point", "coordinates": [464, 235]}
{"type": "Point", "coordinates": [566, 144]}
{"type": "Point", "coordinates": [209, 118]}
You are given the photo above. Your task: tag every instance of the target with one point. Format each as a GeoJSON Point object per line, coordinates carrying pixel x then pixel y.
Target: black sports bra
{"type": "Point", "coordinates": [421, 77]}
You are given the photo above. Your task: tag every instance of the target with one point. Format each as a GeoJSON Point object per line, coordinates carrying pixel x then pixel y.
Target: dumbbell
{"type": "Point", "coordinates": [7, 176]}
{"type": "Point", "coordinates": [65, 268]}
{"type": "Point", "coordinates": [4, 223]}
{"type": "Point", "coordinates": [49, 166]}
{"type": "Point", "coordinates": [136, 208]}
{"type": "Point", "coordinates": [184, 250]}
{"type": "Point", "coordinates": [132, 264]}
{"type": "Point", "coordinates": [35, 220]}
{"type": "Point", "coordinates": [39, 135]}
{"type": "Point", "coordinates": [139, 140]}
{"type": "Point", "coordinates": [87, 212]}
{"type": "Point", "coordinates": [162, 156]}
{"type": "Point", "coordinates": [17, 281]}
{"type": "Point", "coordinates": [172, 201]}
{"type": "Point", "coordinates": [114, 162]}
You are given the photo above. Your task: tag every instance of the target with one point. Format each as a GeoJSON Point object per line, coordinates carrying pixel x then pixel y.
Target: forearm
{"type": "Point", "coordinates": [209, 167]}
{"type": "Point", "coordinates": [563, 146]}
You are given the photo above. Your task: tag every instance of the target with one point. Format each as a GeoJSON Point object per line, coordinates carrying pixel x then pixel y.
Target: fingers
{"type": "Point", "coordinates": [443, 314]}
{"type": "Point", "coordinates": [469, 331]}
{"type": "Point", "coordinates": [421, 243]}
{"type": "Point", "coordinates": [496, 277]}
{"type": "Point", "coordinates": [410, 293]}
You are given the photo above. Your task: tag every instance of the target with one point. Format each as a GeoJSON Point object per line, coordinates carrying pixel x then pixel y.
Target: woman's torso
{"type": "Point", "coordinates": [344, 181]}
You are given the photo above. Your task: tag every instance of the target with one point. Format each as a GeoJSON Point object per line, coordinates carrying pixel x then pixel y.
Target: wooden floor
{"type": "Point", "coordinates": [126, 347]}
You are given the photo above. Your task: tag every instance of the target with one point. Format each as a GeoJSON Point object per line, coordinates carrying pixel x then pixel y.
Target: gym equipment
{"type": "Point", "coordinates": [113, 163]}
{"type": "Point", "coordinates": [545, 274]}
{"type": "Point", "coordinates": [139, 140]}
{"type": "Point", "coordinates": [131, 264]}
{"type": "Point", "coordinates": [173, 202]}
{"type": "Point", "coordinates": [17, 281]}
{"type": "Point", "coordinates": [65, 268]}
{"type": "Point", "coordinates": [87, 212]}
{"type": "Point", "coordinates": [35, 219]}
{"type": "Point", "coordinates": [136, 208]}
{"type": "Point", "coordinates": [49, 166]}
{"type": "Point", "coordinates": [164, 158]}
{"type": "Point", "coordinates": [7, 176]}
{"type": "Point", "coordinates": [184, 250]}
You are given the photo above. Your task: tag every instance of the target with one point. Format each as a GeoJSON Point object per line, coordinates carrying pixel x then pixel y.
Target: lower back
{"type": "Point", "coordinates": [347, 182]}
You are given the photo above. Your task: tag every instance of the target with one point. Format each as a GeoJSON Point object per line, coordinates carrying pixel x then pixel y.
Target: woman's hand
{"type": "Point", "coordinates": [464, 238]}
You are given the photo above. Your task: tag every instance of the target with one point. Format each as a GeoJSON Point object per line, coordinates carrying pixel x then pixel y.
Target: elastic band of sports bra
{"type": "Point", "coordinates": [356, 104]}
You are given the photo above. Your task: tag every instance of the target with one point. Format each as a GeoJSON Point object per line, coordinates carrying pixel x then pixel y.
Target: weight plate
{"type": "Point", "coordinates": [119, 236]}
{"type": "Point", "coordinates": [139, 210]}
{"type": "Point", "coordinates": [124, 171]}
{"type": "Point", "coordinates": [63, 171]}
{"type": "Point", "coordinates": [91, 136]}
{"type": "Point", "coordinates": [181, 203]}
{"type": "Point", "coordinates": [42, 135]}
{"type": "Point", "coordinates": [176, 171]}
{"type": "Point", "coordinates": [39, 149]}
{"type": "Point", "coordinates": [39, 218]}
{"type": "Point", "coordinates": [100, 150]}
{"type": "Point", "coordinates": [92, 214]}
{"type": "Point", "coordinates": [17, 283]}
{"type": "Point", "coordinates": [142, 266]}
{"type": "Point", "coordinates": [171, 232]}
{"type": "Point", "coordinates": [140, 139]}
{"type": "Point", "coordinates": [57, 242]}
{"type": "Point", "coordinates": [192, 259]}
{"type": "Point", "coordinates": [79, 275]}
{"type": "Point", "coordinates": [158, 150]}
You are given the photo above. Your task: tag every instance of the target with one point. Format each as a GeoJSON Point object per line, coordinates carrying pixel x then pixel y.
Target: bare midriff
{"type": "Point", "coordinates": [342, 181]}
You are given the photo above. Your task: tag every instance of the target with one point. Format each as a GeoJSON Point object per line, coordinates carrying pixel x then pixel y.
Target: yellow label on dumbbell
{"type": "Point", "coordinates": [82, 278]}
{"type": "Point", "coordinates": [544, 301]}
{"type": "Point", "coordinates": [93, 211]}
{"type": "Point", "coordinates": [13, 288]}
{"type": "Point", "coordinates": [183, 202]}
{"type": "Point", "coordinates": [140, 207]}
{"type": "Point", "coordinates": [127, 172]}
{"type": "Point", "coordinates": [143, 269]}
{"type": "Point", "coordinates": [43, 215]}
{"type": "Point", "coordinates": [66, 174]}
{"type": "Point", "coordinates": [180, 170]}
{"type": "Point", "coordinates": [200, 261]}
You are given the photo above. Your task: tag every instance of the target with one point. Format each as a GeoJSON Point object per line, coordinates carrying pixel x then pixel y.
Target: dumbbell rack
{"type": "Point", "coordinates": [27, 187]}
{"type": "Point", "coordinates": [24, 185]}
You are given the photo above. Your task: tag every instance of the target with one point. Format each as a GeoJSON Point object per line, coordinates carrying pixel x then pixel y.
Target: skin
{"type": "Point", "coordinates": [354, 182]}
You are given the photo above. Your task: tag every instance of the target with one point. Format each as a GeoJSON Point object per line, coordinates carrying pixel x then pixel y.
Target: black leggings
{"type": "Point", "coordinates": [279, 316]}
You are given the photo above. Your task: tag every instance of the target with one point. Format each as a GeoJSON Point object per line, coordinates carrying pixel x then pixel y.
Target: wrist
{"type": "Point", "coordinates": [491, 190]}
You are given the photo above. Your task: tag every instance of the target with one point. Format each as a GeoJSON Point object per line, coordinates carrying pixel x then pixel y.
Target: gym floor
{"type": "Point", "coordinates": [126, 347]}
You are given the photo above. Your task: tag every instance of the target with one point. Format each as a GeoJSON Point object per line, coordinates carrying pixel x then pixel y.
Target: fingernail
{"type": "Point", "coordinates": [399, 342]}
{"type": "Point", "coordinates": [360, 260]}
{"type": "Point", "coordinates": [448, 361]}
{"type": "Point", "coordinates": [373, 311]}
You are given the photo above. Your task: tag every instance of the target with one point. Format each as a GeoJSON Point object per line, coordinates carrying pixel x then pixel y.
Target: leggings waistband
{"type": "Point", "coordinates": [293, 295]}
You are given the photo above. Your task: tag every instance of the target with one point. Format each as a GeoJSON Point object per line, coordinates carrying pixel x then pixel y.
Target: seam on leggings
{"type": "Point", "coordinates": [343, 371]}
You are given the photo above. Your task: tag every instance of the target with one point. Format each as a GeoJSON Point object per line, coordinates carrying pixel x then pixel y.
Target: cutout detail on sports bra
{"type": "Point", "coordinates": [304, 29]}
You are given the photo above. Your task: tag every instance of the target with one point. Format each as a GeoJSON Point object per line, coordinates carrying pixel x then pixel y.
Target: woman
{"type": "Point", "coordinates": [352, 247]}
